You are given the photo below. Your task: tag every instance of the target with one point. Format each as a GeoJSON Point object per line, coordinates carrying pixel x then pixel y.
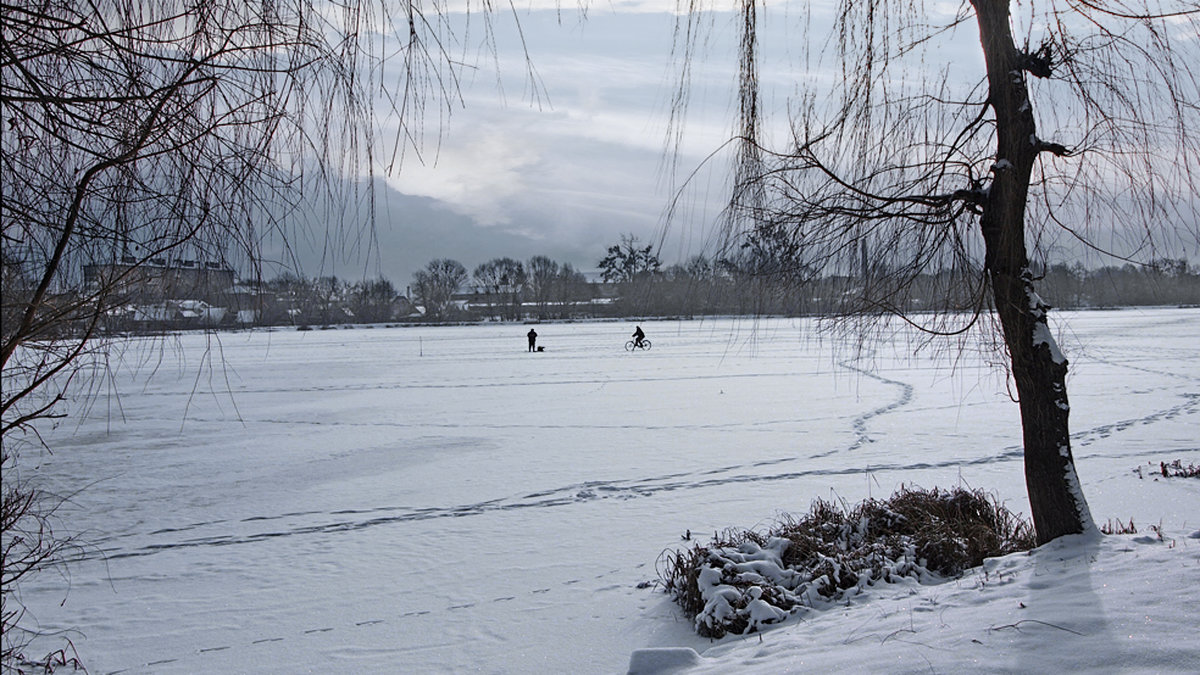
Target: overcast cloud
{"type": "Point", "coordinates": [563, 162]}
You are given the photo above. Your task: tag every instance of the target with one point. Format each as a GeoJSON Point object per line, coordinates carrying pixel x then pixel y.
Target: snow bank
{"type": "Point", "coordinates": [1078, 604]}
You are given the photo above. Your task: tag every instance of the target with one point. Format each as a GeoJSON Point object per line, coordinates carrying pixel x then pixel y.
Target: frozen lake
{"type": "Point", "coordinates": [438, 499]}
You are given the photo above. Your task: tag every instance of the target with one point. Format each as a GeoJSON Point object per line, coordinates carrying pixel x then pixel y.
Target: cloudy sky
{"type": "Point", "coordinates": [562, 153]}
{"type": "Point", "coordinates": [561, 160]}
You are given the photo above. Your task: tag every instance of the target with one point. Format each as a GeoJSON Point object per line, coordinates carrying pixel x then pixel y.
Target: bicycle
{"type": "Point", "coordinates": [632, 345]}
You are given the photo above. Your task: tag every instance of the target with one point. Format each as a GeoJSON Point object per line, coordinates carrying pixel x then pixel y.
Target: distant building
{"type": "Point", "coordinates": [161, 294]}
{"type": "Point", "coordinates": [158, 280]}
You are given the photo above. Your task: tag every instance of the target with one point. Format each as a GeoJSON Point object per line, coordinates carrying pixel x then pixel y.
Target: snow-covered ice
{"type": "Point", "coordinates": [437, 499]}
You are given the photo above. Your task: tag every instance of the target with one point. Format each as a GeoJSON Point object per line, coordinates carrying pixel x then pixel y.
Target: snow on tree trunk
{"type": "Point", "coordinates": [1039, 369]}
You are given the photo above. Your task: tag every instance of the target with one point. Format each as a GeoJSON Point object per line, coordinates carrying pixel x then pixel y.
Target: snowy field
{"type": "Point", "coordinates": [417, 500]}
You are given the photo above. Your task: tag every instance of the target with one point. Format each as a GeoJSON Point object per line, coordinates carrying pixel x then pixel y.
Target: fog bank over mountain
{"type": "Point", "coordinates": [406, 233]}
{"type": "Point", "coordinates": [558, 161]}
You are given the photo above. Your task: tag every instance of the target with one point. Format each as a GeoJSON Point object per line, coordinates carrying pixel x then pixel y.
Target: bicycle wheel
{"type": "Point", "coordinates": [629, 346]}
{"type": "Point", "coordinates": [645, 344]}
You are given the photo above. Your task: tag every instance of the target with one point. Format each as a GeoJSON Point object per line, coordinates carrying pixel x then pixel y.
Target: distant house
{"type": "Point", "coordinates": [404, 308]}
{"type": "Point", "coordinates": [250, 304]}
{"type": "Point", "coordinates": [183, 313]}
{"type": "Point", "coordinates": [158, 293]}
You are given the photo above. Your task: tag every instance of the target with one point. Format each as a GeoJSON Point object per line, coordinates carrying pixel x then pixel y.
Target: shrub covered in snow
{"type": "Point", "coordinates": [744, 580]}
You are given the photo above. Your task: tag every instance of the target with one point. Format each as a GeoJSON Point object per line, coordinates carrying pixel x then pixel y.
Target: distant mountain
{"type": "Point", "coordinates": [408, 231]}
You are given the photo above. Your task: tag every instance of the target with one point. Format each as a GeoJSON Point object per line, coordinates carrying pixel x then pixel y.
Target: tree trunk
{"type": "Point", "coordinates": [1039, 370]}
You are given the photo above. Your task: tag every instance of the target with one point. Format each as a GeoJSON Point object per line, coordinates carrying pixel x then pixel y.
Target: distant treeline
{"type": "Point", "coordinates": [542, 289]}
{"type": "Point", "coordinates": [1166, 282]}
{"type": "Point", "coordinates": [634, 283]}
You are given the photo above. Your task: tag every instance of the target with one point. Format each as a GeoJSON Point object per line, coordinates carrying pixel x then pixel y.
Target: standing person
{"type": "Point", "coordinates": [638, 335]}
{"type": "Point", "coordinates": [532, 335]}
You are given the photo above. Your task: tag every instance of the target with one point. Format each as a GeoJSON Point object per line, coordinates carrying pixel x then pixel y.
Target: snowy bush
{"type": "Point", "coordinates": [1177, 469]}
{"type": "Point", "coordinates": [744, 580]}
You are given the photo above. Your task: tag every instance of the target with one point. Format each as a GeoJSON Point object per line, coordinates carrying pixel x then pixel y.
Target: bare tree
{"type": "Point", "coordinates": [571, 286]}
{"type": "Point", "coordinates": [329, 293]}
{"type": "Point", "coordinates": [541, 279]}
{"type": "Point", "coordinates": [136, 132]}
{"type": "Point", "coordinates": [512, 283]}
{"type": "Point", "coordinates": [435, 286]}
{"type": "Point", "coordinates": [373, 300]}
{"type": "Point", "coordinates": [487, 279]}
{"type": "Point", "coordinates": [502, 279]}
{"type": "Point", "coordinates": [898, 174]}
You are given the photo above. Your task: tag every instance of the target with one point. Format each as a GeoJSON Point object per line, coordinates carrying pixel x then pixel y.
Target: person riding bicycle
{"type": "Point", "coordinates": [638, 336]}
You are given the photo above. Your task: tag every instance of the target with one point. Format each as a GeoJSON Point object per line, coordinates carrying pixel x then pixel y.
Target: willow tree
{"type": "Point", "coordinates": [140, 131]}
{"type": "Point", "coordinates": [1077, 126]}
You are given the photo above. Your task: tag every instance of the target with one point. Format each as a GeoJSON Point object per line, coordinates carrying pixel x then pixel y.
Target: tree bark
{"type": "Point", "coordinates": [1039, 370]}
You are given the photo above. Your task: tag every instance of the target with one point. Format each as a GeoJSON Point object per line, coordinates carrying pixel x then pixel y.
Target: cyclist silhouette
{"type": "Point", "coordinates": [638, 336]}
